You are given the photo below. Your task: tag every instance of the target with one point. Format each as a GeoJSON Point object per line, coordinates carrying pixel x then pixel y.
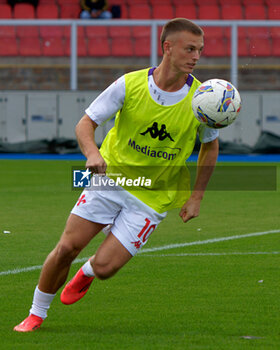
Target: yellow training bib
{"type": "Point", "coordinates": [146, 150]}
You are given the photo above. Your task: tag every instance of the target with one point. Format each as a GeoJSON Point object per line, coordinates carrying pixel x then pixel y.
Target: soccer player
{"type": "Point", "coordinates": [154, 133]}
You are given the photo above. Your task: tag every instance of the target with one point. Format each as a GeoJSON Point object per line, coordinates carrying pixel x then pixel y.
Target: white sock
{"type": "Point", "coordinates": [41, 303]}
{"type": "Point", "coordinates": [87, 269]}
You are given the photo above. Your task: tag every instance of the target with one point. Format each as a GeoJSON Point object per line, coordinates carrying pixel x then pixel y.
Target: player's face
{"type": "Point", "coordinates": [184, 50]}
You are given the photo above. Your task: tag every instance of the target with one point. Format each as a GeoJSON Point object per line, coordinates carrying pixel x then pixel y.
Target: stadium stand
{"type": "Point", "coordinates": [102, 41]}
{"type": "Point", "coordinates": [47, 11]}
{"type": "Point", "coordinates": [209, 12]}
{"type": "Point", "coordinates": [231, 12]}
{"type": "Point", "coordinates": [274, 11]}
{"type": "Point", "coordinates": [5, 11]}
{"type": "Point", "coordinates": [24, 11]}
{"type": "Point", "coordinates": [70, 10]}
{"type": "Point", "coordinates": [7, 31]}
{"type": "Point", "coordinates": [139, 11]}
{"type": "Point", "coordinates": [142, 46]}
{"type": "Point", "coordinates": [122, 47]}
{"type": "Point", "coordinates": [81, 47]}
{"type": "Point", "coordinates": [99, 47]}
{"type": "Point", "coordinates": [255, 12]}
{"type": "Point", "coordinates": [30, 46]}
{"type": "Point", "coordinates": [162, 11]}
{"type": "Point", "coordinates": [8, 46]}
{"type": "Point", "coordinates": [53, 46]}
{"type": "Point", "coordinates": [185, 10]}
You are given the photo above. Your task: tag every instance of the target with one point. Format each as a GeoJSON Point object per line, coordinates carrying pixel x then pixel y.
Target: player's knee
{"type": "Point", "coordinates": [66, 252]}
{"type": "Point", "coordinates": [103, 271]}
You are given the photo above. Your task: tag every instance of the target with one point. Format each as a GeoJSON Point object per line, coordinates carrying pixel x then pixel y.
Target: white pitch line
{"type": "Point", "coordinates": [151, 250]}
{"type": "Point", "coordinates": [211, 254]}
{"type": "Point", "coordinates": [32, 268]}
{"type": "Point", "coordinates": [207, 241]}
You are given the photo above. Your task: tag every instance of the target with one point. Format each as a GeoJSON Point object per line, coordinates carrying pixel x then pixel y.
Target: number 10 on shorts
{"type": "Point", "coordinates": [145, 233]}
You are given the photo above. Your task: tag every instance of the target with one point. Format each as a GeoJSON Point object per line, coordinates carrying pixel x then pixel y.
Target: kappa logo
{"type": "Point", "coordinates": [155, 132]}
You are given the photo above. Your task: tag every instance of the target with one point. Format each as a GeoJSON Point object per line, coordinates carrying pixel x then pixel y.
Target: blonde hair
{"type": "Point", "coordinates": [179, 25]}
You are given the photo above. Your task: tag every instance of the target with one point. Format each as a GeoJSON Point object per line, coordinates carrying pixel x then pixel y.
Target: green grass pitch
{"type": "Point", "coordinates": [212, 296]}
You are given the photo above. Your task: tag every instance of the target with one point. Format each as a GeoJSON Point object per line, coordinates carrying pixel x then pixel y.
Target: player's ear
{"type": "Point", "coordinates": [167, 47]}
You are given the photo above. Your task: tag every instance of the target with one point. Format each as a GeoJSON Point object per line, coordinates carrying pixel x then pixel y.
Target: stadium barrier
{"type": "Point", "coordinates": [31, 116]}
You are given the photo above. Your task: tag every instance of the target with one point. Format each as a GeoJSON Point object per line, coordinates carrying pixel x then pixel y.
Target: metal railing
{"type": "Point", "coordinates": [153, 24]}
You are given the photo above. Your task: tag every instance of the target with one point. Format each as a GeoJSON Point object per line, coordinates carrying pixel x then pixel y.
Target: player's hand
{"type": "Point", "coordinates": [96, 164]}
{"type": "Point", "coordinates": [190, 209]}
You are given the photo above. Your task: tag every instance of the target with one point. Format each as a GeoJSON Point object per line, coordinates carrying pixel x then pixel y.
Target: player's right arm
{"type": "Point", "coordinates": [85, 130]}
{"type": "Point", "coordinates": [101, 109]}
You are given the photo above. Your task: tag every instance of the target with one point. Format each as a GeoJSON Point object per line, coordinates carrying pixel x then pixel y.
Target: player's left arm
{"type": "Point", "coordinates": [205, 166]}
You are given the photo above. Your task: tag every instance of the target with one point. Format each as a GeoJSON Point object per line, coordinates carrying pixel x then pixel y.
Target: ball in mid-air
{"type": "Point", "coordinates": [216, 103]}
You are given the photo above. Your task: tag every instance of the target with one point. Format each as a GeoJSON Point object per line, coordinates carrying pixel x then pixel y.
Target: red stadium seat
{"type": "Point", "coordinates": [213, 33]}
{"type": "Point", "coordinates": [141, 31]}
{"type": "Point", "coordinates": [275, 47]}
{"type": "Point", "coordinates": [140, 11]}
{"type": "Point", "coordinates": [70, 10]}
{"type": "Point", "coordinates": [122, 47]}
{"type": "Point", "coordinates": [27, 31]}
{"type": "Point", "coordinates": [67, 2]}
{"type": "Point", "coordinates": [7, 32]}
{"type": "Point", "coordinates": [133, 2]}
{"type": "Point", "coordinates": [208, 2]}
{"type": "Point", "coordinates": [142, 47]}
{"type": "Point", "coordinates": [30, 47]}
{"type": "Point", "coordinates": [253, 2]}
{"type": "Point", "coordinates": [162, 11]}
{"type": "Point", "coordinates": [51, 31]}
{"type": "Point", "coordinates": [258, 32]}
{"type": "Point", "coordinates": [231, 2]}
{"type": "Point", "coordinates": [48, 2]}
{"type": "Point", "coordinates": [24, 11]}
{"type": "Point", "coordinates": [186, 11]}
{"type": "Point", "coordinates": [215, 47]}
{"type": "Point", "coordinates": [243, 48]}
{"type": "Point", "coordinates": [275, 32]}
{"type": "Point", "coordinates": [80, 31]}
{"type": "Point", "coordinates": [274, 12]}
{"type": "Point", "coordinates": [45, 11]}
{"type": "Point", "coordinates": [81, 47]}
{"type": "Point", "coordinates": [232, 12]}
{"type": "Point", "coordinates": [160, 2]}
{"type": "Point", "coordinates": [260, 47]}
{"type": "Point", "coordinates": [8, 47]}
{"type": "Point", "coordinates": [92, 32]}
{"type": "Point", "coordinates": [272, 2]}
{"type": "Point", "coordinates": [53, 47]}
{"type": "Point", "coordinates": [255, 12]}
{"type": "Point", "coordinates": [5, 11]}
{"type": "Point", "coordinates": [49, 11]}
{"type": "Point", "coordinates": [99, 47]}
{"type": "Point", "coordinates": [241, 32]}
{"type": "Point", "coordinates": [118, 31]}
{"type": "Point", "coordinates": [209, 12]}
{"type": "Point", "coordinates": [184, 2]}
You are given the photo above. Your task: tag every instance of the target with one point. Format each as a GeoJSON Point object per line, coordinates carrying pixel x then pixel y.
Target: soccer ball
{"type": "Point", "coordinates": [216, 103]}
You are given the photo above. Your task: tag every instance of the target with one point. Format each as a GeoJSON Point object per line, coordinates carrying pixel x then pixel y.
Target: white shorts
{"type": "Point", "coordinates": [132, 220]}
